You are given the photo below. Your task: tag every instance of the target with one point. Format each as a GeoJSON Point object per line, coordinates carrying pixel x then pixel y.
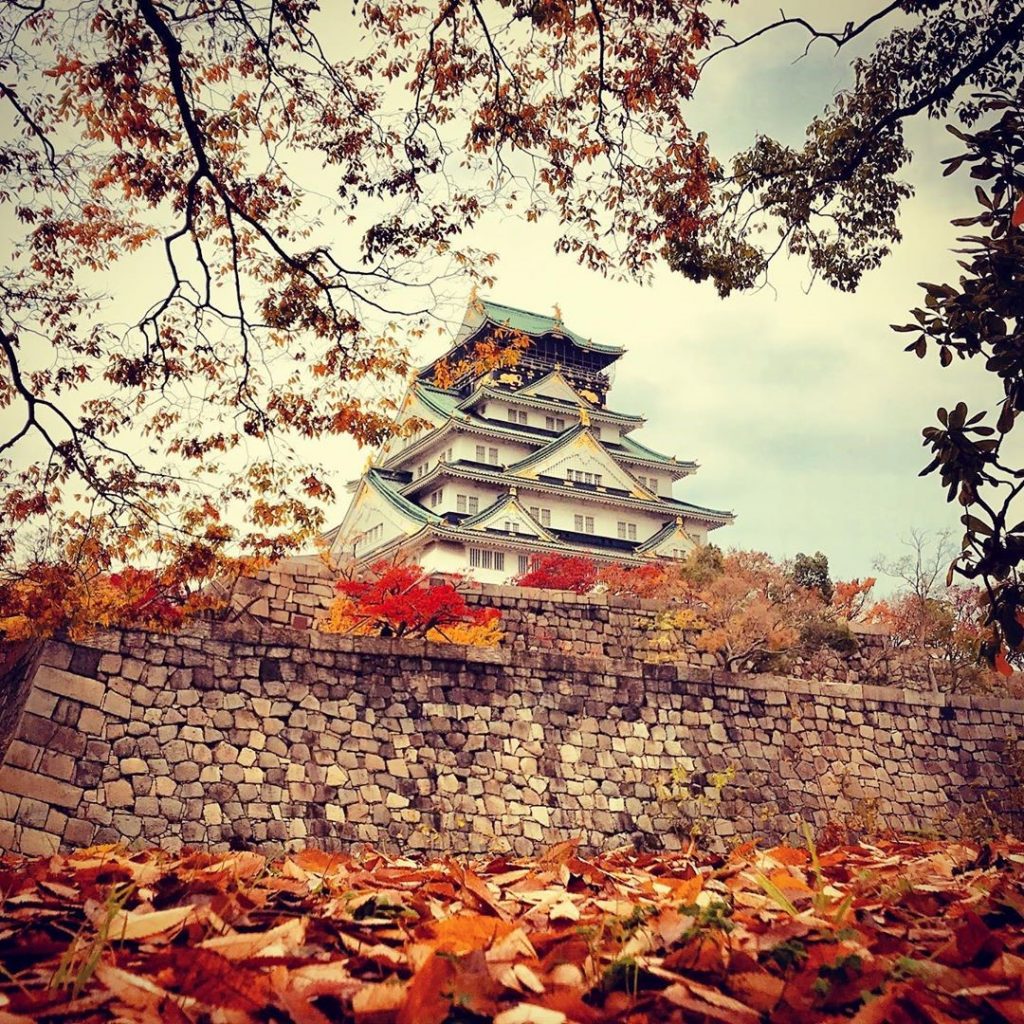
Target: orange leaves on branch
{"type": "Point", "coordinates": [850, 598]}
{"type": "Point", "coordinates": [398, 600]}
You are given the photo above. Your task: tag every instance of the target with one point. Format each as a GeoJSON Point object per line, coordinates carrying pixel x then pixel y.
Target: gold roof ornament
{"type": "Point", "coordinates": [368, 464]}
{"type": "Point", "coordinates": [584, 416]}
{"type": "Point", "coordinates": [513, 491]}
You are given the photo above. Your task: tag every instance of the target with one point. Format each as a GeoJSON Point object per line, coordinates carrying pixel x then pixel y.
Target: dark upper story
{"type": "Point", "coordinates": [583, 362]}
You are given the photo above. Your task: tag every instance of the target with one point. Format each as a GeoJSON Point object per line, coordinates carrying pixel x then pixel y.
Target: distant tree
{"type": "Point", "coordinates": [923, 565]}
{"type": "Point", "coordinates": [749, 614]}
{"type": "Point", "coordinates": [811, 571]}
{"type": "Point", "coordinates": [851, 598]}
{"type": "Point", "coordinates": [952, 625]}
{"type": "Point", "coordinates": [397, 600]}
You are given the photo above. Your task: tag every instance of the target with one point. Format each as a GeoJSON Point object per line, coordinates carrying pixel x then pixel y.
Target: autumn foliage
{"type": "Point", "coordinates": [575, 573]}
{"type": "Point", "coordinates": [891, 932]}
{"type": "Point", "coordinates": [397, 600]}
{"type": "Point", "coordinates": [743, 607]}
{"type": "Point", "coordinates": [76, 597]}
{"type": "Point", "coordinates": [189, 152]}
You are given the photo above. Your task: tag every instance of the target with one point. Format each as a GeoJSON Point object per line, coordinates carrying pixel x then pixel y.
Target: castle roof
{"type": "Point", "coordinates": [485, 311]}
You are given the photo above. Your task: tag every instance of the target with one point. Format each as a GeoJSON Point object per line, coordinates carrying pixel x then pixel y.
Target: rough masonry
{"type": "Point", "coordinates": [298, 591]}
{"type": "Point", "coordinates": [246, 736]}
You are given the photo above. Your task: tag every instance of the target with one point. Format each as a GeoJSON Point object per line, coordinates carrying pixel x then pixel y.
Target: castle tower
{"type": "Point", "coordinates": [517, 461]}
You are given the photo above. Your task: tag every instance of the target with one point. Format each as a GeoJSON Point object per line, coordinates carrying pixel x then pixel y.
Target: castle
{"type": "Point", "coordinates": [504, 457]}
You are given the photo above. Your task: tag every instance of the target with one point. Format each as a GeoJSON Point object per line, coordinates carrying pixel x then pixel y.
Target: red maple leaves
{"type": "Point", "coordinates": [397, 600]}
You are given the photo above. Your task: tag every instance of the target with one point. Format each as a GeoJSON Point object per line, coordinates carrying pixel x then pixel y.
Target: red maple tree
{"type": "Point", "coordinates": [396, 600]}
{"type": "Point", "coordinates": [560, 572]}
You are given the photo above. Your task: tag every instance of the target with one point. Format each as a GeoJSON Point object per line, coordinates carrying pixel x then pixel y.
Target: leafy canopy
{"type": "Point", "coordinates": [289, 201]}
{"type": "Point", "coordinates": [395, 600]}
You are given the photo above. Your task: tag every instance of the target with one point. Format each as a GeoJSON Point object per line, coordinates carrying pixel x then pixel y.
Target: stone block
{"type": "Point", "coordinates": [67, 684]}
{"type": "Point", "coordinates": [78, 832]}
{"type": "Point", "coordinates": [37, 843]}
{"type": "Point", "coordinates": [51, 791]}
{"type": "Point", "coordinates": [117, 705]}
{"type": "Point", "coordinates": [119, 793]}
{"type": "Point", "coordinates": [23, 755]}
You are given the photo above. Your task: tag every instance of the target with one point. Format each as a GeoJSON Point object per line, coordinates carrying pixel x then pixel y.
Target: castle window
{"type": "Point", "coordinates": [436, 498]}
{"type": "Point", "coordinates": [542, 515]}
{"type": "Point", "coordinates": [492, 456]}
{"type": "Point", "coordinates": [464, 503]}
{"type": "Point", "coordinates": [481, 453]}
{"type": "Point", "coordinates": [517, 416]}
{"type": "Point", "coordinates": [370, 537]}
{"type": "Point", "coordinates": [524, 564]}
{"type": "Point", "coordinates": [554, 423]}
{"type": "Point", "coordinates": [481, 558]}
{"type": "Point", "coordinates": [627, 531]}
{"type": "Point", "coordinates": [583, 524]}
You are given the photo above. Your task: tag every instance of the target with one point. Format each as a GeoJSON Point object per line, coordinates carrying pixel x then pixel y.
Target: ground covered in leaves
{"type": "Point", "coordinates": [902, 932]}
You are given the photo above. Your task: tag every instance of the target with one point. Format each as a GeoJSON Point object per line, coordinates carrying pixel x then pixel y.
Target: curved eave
{"type": "Point", "coordinates": [552, 404]}
{"type": "Point", "coordinates": [519, 542]}
{"type": "Point", "coordinates": [677, 470]}
{"type": "Point", "coordinates": [711, 518]}
{"type": "Point", "coordinates": [477, 425]}
{"type": "Point", "coordinates": [399, 501]}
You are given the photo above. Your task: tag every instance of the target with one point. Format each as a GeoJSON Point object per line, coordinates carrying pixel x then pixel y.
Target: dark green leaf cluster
{"type": "Point", "coordinates": [836, 199]}
{"type": "Point", "coordinates": [982, 316]}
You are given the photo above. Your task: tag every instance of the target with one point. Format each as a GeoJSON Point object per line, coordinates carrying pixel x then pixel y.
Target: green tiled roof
{"type": "Point", "coordinates": [641, 452]}
{"type": "Point", "coordinates": [385, 489]}
{"type": "Point", "coordinates": [685, 508]}
{"type": "Point", "coordinates": [537, 324]}
{"type": "Point", "coordinates": [442, 402]}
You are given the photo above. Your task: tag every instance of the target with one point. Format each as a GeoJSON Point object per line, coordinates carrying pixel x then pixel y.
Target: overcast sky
{"type": "Point", "coordinates": [799, 404]}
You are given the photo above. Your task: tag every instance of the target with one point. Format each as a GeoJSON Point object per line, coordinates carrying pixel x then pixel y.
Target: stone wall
{"type": "Point", "coordinates": [226, 735]}
{"type": "Point", "coordinates": [298, 591]}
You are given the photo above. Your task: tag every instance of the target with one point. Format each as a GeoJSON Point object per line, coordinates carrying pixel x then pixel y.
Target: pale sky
{"type": "Point", "coordinates": [800, 405]}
